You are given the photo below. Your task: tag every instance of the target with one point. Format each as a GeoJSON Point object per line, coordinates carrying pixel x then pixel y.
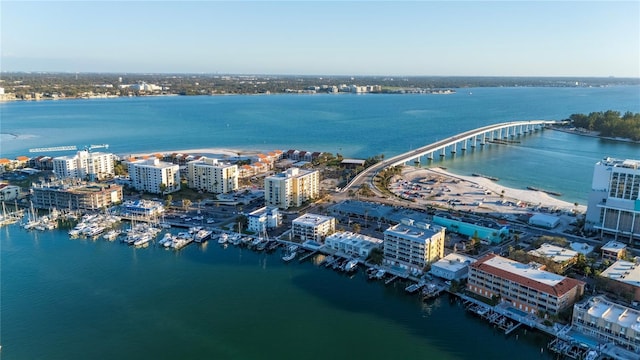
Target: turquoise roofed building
{"type": "Point", "coordinates": [486, 231]}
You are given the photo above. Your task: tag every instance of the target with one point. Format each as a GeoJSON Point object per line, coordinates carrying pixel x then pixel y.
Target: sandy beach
{"type": "Point", "coordinates": [211, 152]}
{"type": "Point", "coordinates": [491, 194]}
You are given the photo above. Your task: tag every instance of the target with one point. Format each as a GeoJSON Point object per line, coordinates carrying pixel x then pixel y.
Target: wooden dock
{"type": "Point", "coordinates": [308, 255]}
{"type": "Point", "coordinates": [391, 279]}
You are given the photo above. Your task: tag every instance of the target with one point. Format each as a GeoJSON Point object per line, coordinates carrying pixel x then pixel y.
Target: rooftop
{"type": "Point", "coordinates": [420, 233]}
{"type": "Point", "coordinates": [624, 271]}
{"type": "Point", "coordinates": [526, 275]}
{"type": "Point", "coordinates": [613, 246]}
{"type": "Point", "coordinates": [454, 262]}
{"type": "Point", "coordinates": [600, 307]}
{"type": "Point", "coordinates": [555, 253]}
{"type": "Point", "coordinates": [312, 219]}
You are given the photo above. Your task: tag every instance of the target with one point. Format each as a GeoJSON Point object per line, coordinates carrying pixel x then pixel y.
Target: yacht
{"type": "Point", "coordinates": [351, 265]}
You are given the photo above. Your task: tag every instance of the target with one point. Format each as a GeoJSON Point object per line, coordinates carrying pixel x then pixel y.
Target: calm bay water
{"type": "Point", "coordinates": [65, 299]}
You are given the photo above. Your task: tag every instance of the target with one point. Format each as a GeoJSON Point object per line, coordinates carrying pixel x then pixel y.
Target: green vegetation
{"type": "Point", "coordinates": [610, 123]}
{"type": "Point", "coordinates": [376, 256]}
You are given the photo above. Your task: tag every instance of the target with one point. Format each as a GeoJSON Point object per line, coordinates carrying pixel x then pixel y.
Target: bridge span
{"type": "Point", "coordinates": [502, 132]}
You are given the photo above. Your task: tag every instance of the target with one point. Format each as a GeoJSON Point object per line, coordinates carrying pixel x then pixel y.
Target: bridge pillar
{"type": "Point", "coordinates": [463, 144]}
{"type": "Point", "coordinates": [474, 141]}
{"type": "Point", "coordinates": [430, 156]}
{"type": "Point", "coordinates": [442, 153]}
{"type": "Point", "coordinates": [453, 149]}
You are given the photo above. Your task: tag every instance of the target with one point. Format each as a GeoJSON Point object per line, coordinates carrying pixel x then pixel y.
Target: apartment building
{"type": "Point", "coordinates": [526, 287]}
{"type": "Point", "coordinates": [84, 165]}
{"type": "Point", "coordinates": [291, 188]}
{"type": "Point", "coordinates": [75, 195]}
{"type": "Point", "coordinates": [412, 246]}
{"type": "Point", "coordinates": [264, 218]}
{"type": "Point", "coordinates": [352, 244]}
{"type": "Point", "coordinates": [154, 176]}
{"type": "Point", "coordinates": [614, 201]}
{"type": "Point", "coordinates": [608, 321]}
{"type": "Point", "coordinates": [313, 227]}
{"type": "Point", "coordinates": [212, 175]}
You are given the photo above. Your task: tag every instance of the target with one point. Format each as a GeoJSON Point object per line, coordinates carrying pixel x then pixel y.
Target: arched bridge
{"type": "Point", "coordinates": [502, 132]}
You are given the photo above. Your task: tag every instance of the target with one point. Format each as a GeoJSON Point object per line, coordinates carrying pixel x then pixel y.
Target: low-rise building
{"type": "Point", "coordinates": [75, 195]}
{"type": "Point", "coordinates": [452, 267]}
{"type": "Point", "coordinates": [141, 209]}
{"type": "Point", "coordinates": [9, 192]}
{"type": "Point", "coordinates": [627, 275]}
{"type": "Point", "coordinates": [212, 175]}
{"type": "Point", "coordinates": [524, 286]}
{"type": "Point", "coordinates": [313, 227]}
{"type": "Point", "coordinates": [486, 231]}
{"type": "Point", "coordinates": [613, 251]}
{"type": "Point", "coordinates": [608, 322]}
{"type": "Point", "coordinates": [563, 257]}
{"type": "Point", "coordinates": [352, 244]}
{"type": "Point", "coordinates": [544, 220]}
{"type": "Point", "coordinates": [411, 246]}
{"type": "Point", "coordinates": [264, 218]}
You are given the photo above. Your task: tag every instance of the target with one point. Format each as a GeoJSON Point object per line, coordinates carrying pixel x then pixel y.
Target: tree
{"type": "Point", "coordinates": [186, 204]}
{"type": "Point", "coordinates": [168, 201]}
{"type": "Point", "coordinates": [355, 228]}
{"type": "Point", "coordinates": [376, 256]}
{"type": "Point", "coordinates": [162, 187]}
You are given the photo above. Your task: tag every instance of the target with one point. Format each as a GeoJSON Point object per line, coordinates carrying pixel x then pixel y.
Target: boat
{"type": "Point", "coordinates": [289, 256]}
{"type": "Point", "coordinates": [380, 274]}
{"type": "Point", "coordinates": [413, 288]}
{"type": "Point", "coordinates": [351, 265]}
{"type": "Point", "coordinates": [202, 235]}
{"type": "Point", "coordinates": [111, 235]}
{"type": "Point", "coordinates": [223, 238]}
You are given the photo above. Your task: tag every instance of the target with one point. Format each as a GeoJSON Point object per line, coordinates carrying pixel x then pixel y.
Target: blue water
{"type": "Point", "coordinates": [353, 125]}
{"type": "Point", "coordinates": [64, 299]}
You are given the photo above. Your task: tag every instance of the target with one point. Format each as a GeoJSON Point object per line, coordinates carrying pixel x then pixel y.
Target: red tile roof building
{"type": "Point", "coordinates": [526, 287]}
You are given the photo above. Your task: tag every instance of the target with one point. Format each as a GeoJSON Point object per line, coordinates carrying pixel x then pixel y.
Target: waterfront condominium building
{"type": "Point", "coordinates": [152, 175]}
{"type": "Point", "coordinates": [352, 244]}
{"type": "Point", "coordinates": [614, 201]}
{"type": "Point", "coordinates": [264, 218]}
{"type": "Point", "coordinates": [626, 276]}
{"type": "Point", "coordinates": [75, 195]}
{"type": "Point", "coordinates": [212, 176]}
{"type": "Point", "coordinates": [412, 246]}
{"type": "Point", "coordinates": [291, 188]}
{"type": "Point", "coordinates": [84, 165]}
{"type": "Point", "coordinates": [608, 322]}
{"type": "Point", "coordinates": [313, 227]}
{"type": "Point", "coordinates": [526, 287]}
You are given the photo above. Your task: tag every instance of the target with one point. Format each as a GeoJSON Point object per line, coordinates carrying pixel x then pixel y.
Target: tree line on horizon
{"type": "Point", "coordinates": [610, 123]}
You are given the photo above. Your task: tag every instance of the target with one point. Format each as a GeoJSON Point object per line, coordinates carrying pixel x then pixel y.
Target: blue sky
{"type": "Point", "coordinates": [502, 38]}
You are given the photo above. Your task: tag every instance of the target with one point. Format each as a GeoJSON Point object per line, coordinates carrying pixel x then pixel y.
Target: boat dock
{"type": "Point", "coordinates": [569, 349]}
{"type": "Point", "coordinates": [391, 279]}
{"type": "Point", "coordinates": [308, 255]}
{"type": "Point", "coordinates": [500, 321]}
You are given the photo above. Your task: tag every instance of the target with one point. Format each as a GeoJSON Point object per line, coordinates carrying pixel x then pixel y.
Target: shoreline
{"type": "Point", "coordinates": [594, 134]}
{"type": "Point", "coordinates": [471, 184]}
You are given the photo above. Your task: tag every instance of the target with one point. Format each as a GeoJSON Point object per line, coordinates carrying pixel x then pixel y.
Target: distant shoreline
{"type": "Point", "coordinates": [595, 134]}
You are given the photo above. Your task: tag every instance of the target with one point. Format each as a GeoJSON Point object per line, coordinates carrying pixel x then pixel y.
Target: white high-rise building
{"type": "Point", "coordinates": [149, 175]}
{"type": "Point", "coordinates": [212, 176]}
{"type": "Point", "coordinates": [291, 188]}
{"type": "Point", "coordinates": [85, 164]}
{"type": "Point", "coordinates": [614, 202]}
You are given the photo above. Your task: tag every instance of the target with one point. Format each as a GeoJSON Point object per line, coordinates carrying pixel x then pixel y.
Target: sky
{"type": "Point", "coordinates": [421, 38]}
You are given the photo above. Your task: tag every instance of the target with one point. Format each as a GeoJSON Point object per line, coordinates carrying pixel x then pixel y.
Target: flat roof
{"type": "Point", "coordinates": [312, 219]}
{"type": "Point", "coordinates": [613, 246]}
{"type": "Point", "coordinates": [526, 275]}
{"type": "Point", "coordinates": [624, 271]}
{"type": "Point", "coordinates": [413, 233]}
{"type": "Point", "coordinates": [454, 262]}
{"type": "Point", "coordinates": [555, 253]}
